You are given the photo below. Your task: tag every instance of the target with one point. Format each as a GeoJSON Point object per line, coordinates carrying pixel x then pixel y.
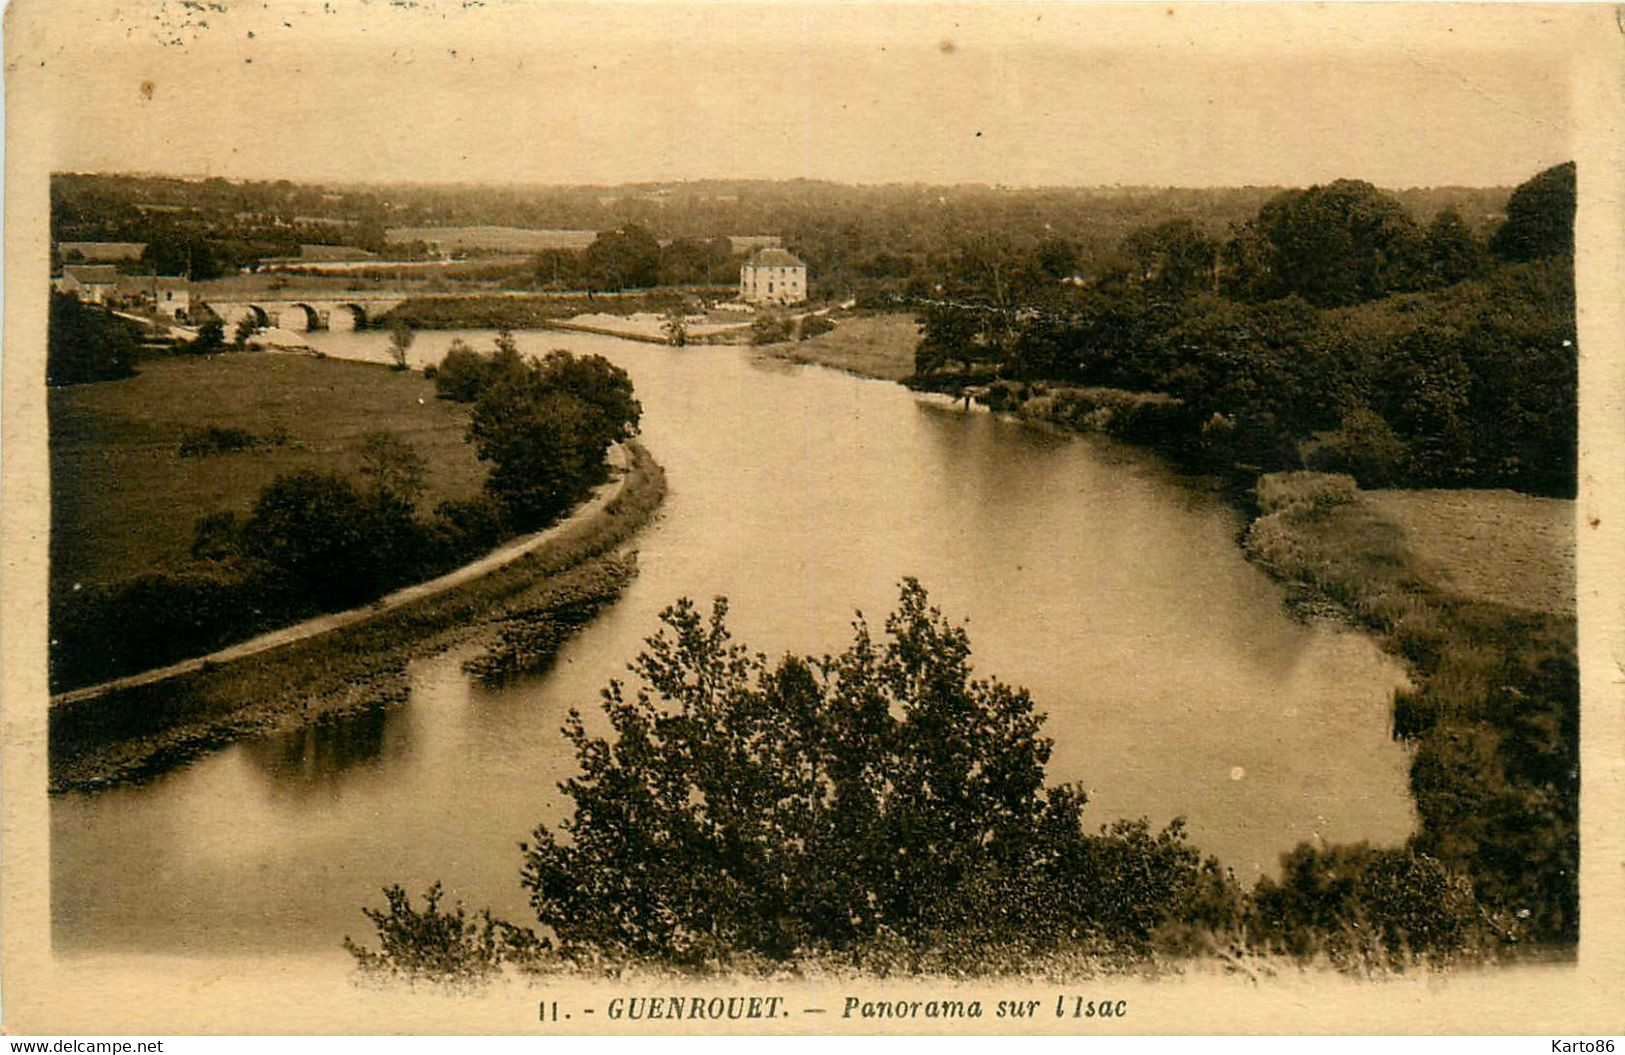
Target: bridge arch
{"type": "Point", "coordinates": [347, 316]}
{"type": "Point", "coordinates": [232, 315]}
{"type": "Point", "coordinates": [300, 317]}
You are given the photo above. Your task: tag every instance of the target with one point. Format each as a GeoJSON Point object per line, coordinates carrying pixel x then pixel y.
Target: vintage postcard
{"type": "Point", "coordinates": [812, 518]}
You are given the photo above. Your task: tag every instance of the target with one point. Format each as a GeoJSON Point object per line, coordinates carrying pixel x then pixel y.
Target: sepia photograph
{"type": "Point", "coordinates": [812, 518]}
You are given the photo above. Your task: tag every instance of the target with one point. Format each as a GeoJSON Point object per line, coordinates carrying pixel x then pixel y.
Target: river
{"type": "Point", "coordinates": [1174, 681]}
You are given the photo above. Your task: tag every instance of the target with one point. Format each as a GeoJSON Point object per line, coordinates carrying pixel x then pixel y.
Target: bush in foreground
{"type": "Point", "coordinates": [747, 807]}
{"type": "Point", "coordinates": [437, 945]}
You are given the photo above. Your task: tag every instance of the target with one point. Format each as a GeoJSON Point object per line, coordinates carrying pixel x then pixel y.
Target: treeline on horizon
{"type": "Point", "coordinates": [1331, 330]}
{"type": "Point", "coordinates": [856, 239]}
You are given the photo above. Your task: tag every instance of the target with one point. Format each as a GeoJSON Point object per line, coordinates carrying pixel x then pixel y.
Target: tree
{"type": "Point", "coordinates": [211, 337]}
{"type": "Point", "coordinates": [1057, 258]}
{"type": "Point", "coordinates": [328, 544]}
{"type": "Point", "coordinates": [86, 344]}
{"type": "Point", "coordinates": [949, 334]}
{"type": "Point", "coordinates": [743, 806]}
{"type": "Point", "coordinates": [675, 327]}
{"type": "Point", "coordinates": [181, 253]}
{"type": "Point", "coordinates": [393, 466]}
{"type": "Point", "coordinates": [1174, 258]}
{"type": "Point", "coordinates": [1337, 244]}
{"type": "Point", "coordinates": [401, 337]}
{"type": "Point", "coordinates": [462, 374]}
{"type": "Point", "coordinates": [625, 258]}
{"type": "Point", "coordinates": [1540, 217]}
{"type": "Point", "coordinates": [545, 426]}
{"type": "Point", "coordinates": [688, 261]}
{"type": "Point", "coordinates": [246, 328]}
{"type": "Point", "coordinates": [1453, 253]}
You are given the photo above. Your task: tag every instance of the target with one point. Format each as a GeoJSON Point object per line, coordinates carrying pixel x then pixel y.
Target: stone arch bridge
{"type": "Point", "coordinates": [302, 313]}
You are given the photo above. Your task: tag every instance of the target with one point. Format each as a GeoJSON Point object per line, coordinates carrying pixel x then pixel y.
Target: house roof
{"type": "Point", "coordinates": [92, 274]}
{"type": "Point", "coordinates": [774, 257]}
{"type": "Point", "coordinates": [99, 252]}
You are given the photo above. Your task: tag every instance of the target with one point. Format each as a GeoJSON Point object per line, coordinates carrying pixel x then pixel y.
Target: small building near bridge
{"type": "Point", "coordinates": [168, 295]}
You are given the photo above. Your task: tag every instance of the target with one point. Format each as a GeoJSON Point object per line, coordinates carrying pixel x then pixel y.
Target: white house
{"type": "Point", "coordinates": [169, 295]}
{"type": "Point", "coordinates": [773, 276]}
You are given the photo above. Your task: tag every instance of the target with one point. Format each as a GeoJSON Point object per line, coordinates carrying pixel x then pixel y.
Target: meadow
{"type": "Point", "coordinates": [124, 500]}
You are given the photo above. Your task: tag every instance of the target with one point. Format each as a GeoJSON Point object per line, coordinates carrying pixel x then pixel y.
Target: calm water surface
{"type": "Point", "coordinates": [1174, 682]}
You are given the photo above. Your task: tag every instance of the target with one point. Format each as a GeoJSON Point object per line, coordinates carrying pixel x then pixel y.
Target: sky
{"type": "Point", "coordinates": [1001, 93]}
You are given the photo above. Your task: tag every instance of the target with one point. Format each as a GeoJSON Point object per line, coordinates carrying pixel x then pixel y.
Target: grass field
{"type": "Point", "coordinates": [123, 500]}
{"type": "Point", "coordinates": [872, 345]}
{"type": "Point", "coordinates": [1488, 545]}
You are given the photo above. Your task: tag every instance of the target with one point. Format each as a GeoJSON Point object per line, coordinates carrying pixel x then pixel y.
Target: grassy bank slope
{"type": "Point", "coordinates": [872, 345]}
{"type": "Point", "coordinates": [1496, 546]}
{"type": "Point", "coordinates": [123, 498]}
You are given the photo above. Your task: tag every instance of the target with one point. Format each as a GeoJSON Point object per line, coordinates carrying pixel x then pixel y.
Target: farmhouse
{"type": "Point", "coordinates": [773, 276]}
{"type": "Point", "coordinates": [92, 283]}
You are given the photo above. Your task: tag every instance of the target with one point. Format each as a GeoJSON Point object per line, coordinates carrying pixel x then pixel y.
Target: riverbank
{"type": "Point", "coordinates": [534, 311]}
{"type": "Point", "coordinates": [139, 728]}
{"type": "Point", "coordinates": [879, 346]}
{"type": "Point", "coordinates": [1493, 710]}
{"type": "Point", "coordinates": [1472, 589]}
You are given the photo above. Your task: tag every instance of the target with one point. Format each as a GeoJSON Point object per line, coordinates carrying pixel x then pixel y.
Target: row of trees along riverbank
{"type": "Point", "coordinates": [1330, 332]}
{"type": "Point", "coordinates": [319, 541]}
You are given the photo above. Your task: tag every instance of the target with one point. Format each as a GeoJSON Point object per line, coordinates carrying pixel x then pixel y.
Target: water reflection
{"type": "Point", "coordinates": [319, 756]}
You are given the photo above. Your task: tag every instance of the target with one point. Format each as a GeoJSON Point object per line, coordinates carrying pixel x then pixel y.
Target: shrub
{"type": "Point", "coordinates": [1364, 446]}
{"type": "Point", "coordinates": [211, 338]}
{"type": "Point", "coordinates": [87, 344]}
{"type": "Point", "coordinates": [466, 527]}
{"type": "Point", "coordinates": [329, 544]}
{"type": "Point", "coordinates": [769, 328]}
{"type": "Point", "coordinates": [814, 325]}
{"type": "Point", "coordinates": [101, 632]}
{"type": "Point", "coordinates": [216, 439]}
{"type": "Point", "coordinates": [217, 537]}
{"type": "Point", "coordinates": [433, 945]}
{"type": "Point", "coordinates": [1305, 492]}
{"type": "Point", "coordinates": [462, 374]}
{"type": "Point", "coordinates": [1377, 906]}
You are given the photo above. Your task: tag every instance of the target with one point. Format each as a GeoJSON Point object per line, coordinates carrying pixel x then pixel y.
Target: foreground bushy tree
{"type": "Point", "coordinates": [749, 807]}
